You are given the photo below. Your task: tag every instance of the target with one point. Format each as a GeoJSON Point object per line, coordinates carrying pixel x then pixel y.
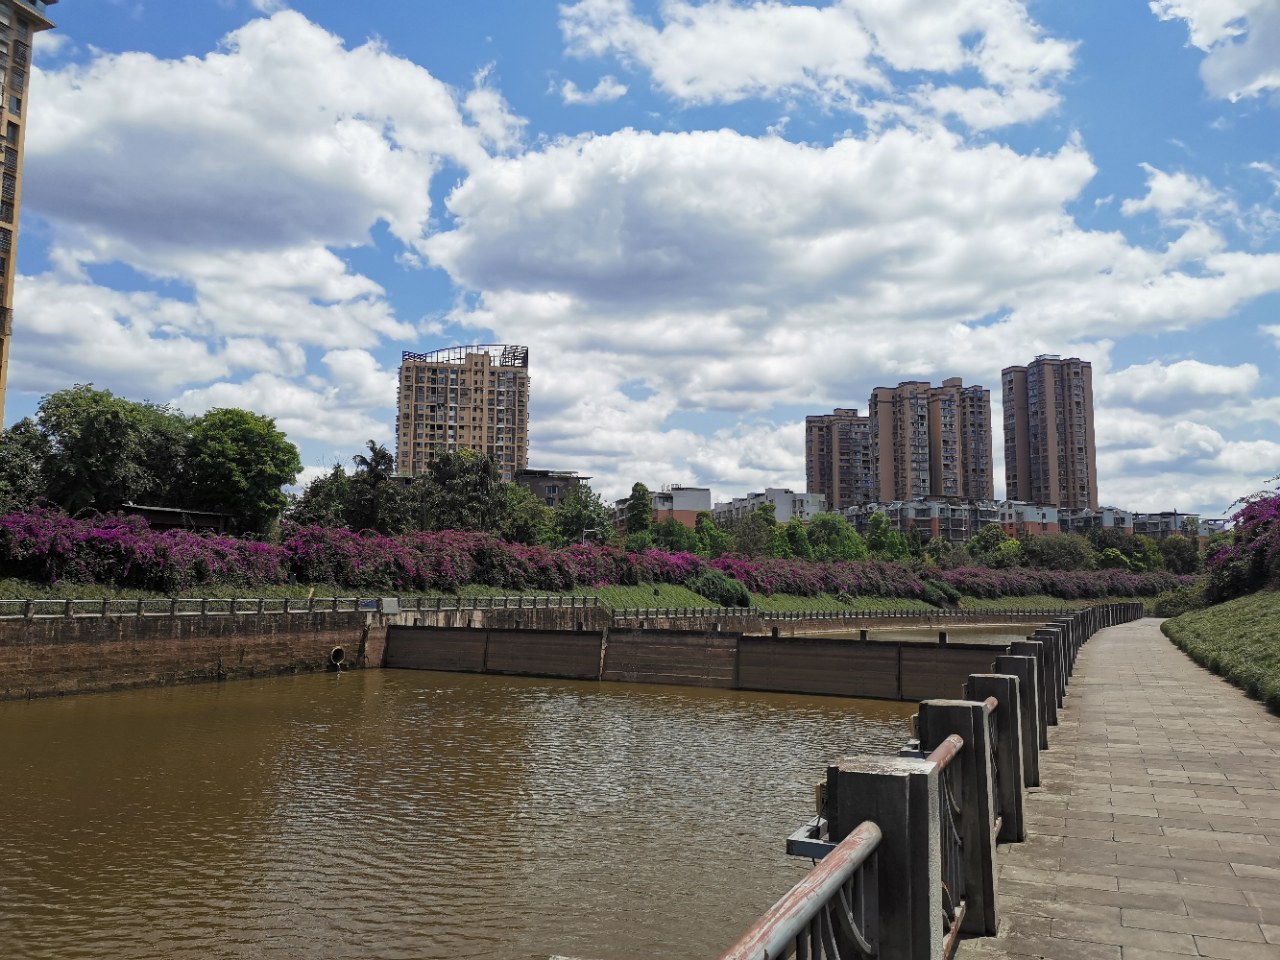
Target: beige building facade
{"type": "Point", "coordinates": [20, 21]}
{"type": "Point", "coordinates": [470, 397]}
{"type": "Point", "coordinates": [932, 441]}
{"type": "Point", "coordinates": [840, 458]}
{"type": "Point", "coordinates": [1049, 451]}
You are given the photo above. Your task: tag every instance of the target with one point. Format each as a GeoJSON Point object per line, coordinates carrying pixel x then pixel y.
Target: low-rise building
{"type": "Point", "coordinates": [1168, 523]}
{"type": "Point", "coordinates": [550, 486]}
{"type": "Point", "coordinates": [1082, 520]}
{"type": "Point", "coordinates": [1019, 519]}
{"type": "Point", "coordinates": [680, 503]}
{"type": "Point", "coordinates": [786, 505]}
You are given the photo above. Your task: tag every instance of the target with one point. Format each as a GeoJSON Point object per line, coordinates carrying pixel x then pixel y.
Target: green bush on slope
{"type": "Point", "coordinates": [1239, 640]}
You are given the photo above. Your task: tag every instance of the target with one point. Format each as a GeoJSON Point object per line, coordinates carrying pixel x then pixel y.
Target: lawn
{"type": "Point", "coordinates": [1239, 640]}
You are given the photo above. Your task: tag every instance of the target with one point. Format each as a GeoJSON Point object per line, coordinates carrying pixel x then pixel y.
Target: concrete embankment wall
{"type": "Point", "coordinates": [851, 668]}
{"type": "Point", "coordinates": [50, 656]}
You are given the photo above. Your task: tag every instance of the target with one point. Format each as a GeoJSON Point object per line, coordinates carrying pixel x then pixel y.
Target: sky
{"type": "Point", "coordinates": [706, 220]}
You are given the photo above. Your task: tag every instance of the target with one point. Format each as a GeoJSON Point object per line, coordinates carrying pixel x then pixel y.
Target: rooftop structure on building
{"type": "Point", "coordinates": [467, 397]}
{"type": "Point", "coordinates": [1049, 451]}
{"type": "Point", "coordinates": [20, 20]}
{"type": "Point", "coordinates": [786, 505]}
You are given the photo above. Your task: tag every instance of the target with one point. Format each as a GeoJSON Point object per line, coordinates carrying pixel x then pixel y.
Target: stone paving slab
{"type": "Point", "coordinates": [1156, 831]}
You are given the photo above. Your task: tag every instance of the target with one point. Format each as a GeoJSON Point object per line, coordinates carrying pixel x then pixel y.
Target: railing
{"type": "Point", "coordinates": [951, 800]}
{"type": "Point", "coordinates": [218, 606]}
{"type": "Point", "coordinates": [989, 707]}
{"type": "Point", "coordinates": [832, 913]}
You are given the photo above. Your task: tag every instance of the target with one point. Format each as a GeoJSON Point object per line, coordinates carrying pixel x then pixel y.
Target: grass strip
{"type": "Point", "coordinates": [1239, 640]}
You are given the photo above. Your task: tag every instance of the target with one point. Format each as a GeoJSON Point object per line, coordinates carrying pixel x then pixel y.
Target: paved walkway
{"type": "Point", "coordinates": [1156, 832]}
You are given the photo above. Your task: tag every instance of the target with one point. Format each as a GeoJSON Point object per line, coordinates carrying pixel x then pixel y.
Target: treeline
{"type": "Point", "coordinates": [88, 449]}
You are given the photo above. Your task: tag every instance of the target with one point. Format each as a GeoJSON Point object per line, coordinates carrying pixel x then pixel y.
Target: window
{"type": "Point", "coordinates": [15, 106]}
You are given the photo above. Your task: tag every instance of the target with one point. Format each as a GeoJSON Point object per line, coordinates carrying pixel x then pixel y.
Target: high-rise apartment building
{"type": "Point", "coordinates": [474, 397]}
{"type": "Point", "coordinates": [20, 20]}
{"type": "Point", "coordinates": [1049, 452]}
{"type": "Point", "coordinates": [932, 441]}
{"type": "Point", "coordinates": [839, 458]}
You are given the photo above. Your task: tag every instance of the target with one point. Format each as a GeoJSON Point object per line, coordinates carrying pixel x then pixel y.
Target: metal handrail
{"type": "Point", "coordinates": [954, 904]}
{"type": "Point", "coordinates": [832, 913]}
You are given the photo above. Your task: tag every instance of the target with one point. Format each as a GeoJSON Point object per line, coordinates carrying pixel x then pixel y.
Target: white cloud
{"type": "Point", "coordinates": [1241, 40]}
{"type": "Point", "coordinates": [723, 51]}
{"type": "Point", "coordinates": [1182, 384]}
{"type": "Point", "coordinates": [1172, 194]}
{"type": "Point", "coordinates": [606, 90]}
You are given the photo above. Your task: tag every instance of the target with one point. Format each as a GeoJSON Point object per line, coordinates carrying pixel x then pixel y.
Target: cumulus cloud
{"type": "Point", "coordinates": [841, 55]}
{"type": "Point", "coordinates": [1187, 383]}
{"type": "Point", "coordinates": [606, 90]}
{"type": "Point", "coordinates": [1240, 38]}
{"type": "Point", "coordinates": [1174, 195]}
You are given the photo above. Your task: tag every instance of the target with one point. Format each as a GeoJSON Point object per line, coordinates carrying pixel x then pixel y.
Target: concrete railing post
{"type": "Point", "coordinates": [1048, 712]}
{"type": "Point", "coordinates": [1024, 668]}
{"type": "Point", "coordinates": [937, 720]}
{"type": "Point", "coordinates": [901, 797]}
{"type": "Point", "coordinates": [1008, 749]}
{"type": "Point", "coordinates": [1056, 648]}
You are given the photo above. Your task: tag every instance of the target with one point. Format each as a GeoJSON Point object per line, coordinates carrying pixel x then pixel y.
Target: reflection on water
{"type": "Point", "coordinates": [399, 814]}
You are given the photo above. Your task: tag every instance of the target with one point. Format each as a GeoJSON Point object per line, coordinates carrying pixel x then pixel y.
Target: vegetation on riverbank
{"type": "Point", "coordinates": [1239, 640]}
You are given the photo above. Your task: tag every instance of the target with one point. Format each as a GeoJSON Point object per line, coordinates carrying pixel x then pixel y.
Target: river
{"type": "Point", "coordinates": [397, 814]}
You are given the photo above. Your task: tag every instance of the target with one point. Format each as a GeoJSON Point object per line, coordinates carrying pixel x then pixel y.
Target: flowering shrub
{"type": "Point", "coordinates": [1252, 560]}
{"type": "Point", "coordinates": [47, 546]}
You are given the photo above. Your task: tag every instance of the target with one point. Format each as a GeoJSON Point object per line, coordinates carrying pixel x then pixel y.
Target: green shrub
{"type": "Point", "coordinates": [1174, 603]}
{"type": "Point", "coordinates": [721, 589]}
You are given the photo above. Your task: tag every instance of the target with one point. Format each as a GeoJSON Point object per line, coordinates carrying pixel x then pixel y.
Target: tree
{"type": "Point", "coordinates": [753, 535]}
{"type": "Point", "coordinates": [525, 518]}
{"type": "Point", "coordinates": [798, 539]}
{"type": "Point", "coordinates": [105, 451]}
{"type": "Point", "coordinates": [833, 538]}
{"type": "Point", "coordinates": [238, 462]}
{"type": "Point", "coordinates": [883, 542]}
{"type": "Point", "coordinates": [375, 499]}
{"type": "Point", "coordinates": [639, 510]}
{"type": "Point", "coordinates": [462, 491]}
{"type": "Point", "coordinates": [323, 502]}
{"type": "Point", "coordinates": [23, 453]}
{"type": "Point", "coordinates": [581, 517]}
{"type": "Point", "coordinates": [713, 540]}
{"type": "Point", "coordinates": [1059, 551]}
{"type": "Point", "coordinates": [1181, 554]}
{"type": "Point", "coordinates": [670, 534]}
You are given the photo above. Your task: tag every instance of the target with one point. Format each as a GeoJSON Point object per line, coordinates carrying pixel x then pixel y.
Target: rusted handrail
{"type": "Point", "coordinates": [831, 913]}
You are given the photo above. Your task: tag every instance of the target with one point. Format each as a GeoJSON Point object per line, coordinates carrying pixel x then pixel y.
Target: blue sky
{"type": "Point", "coordinates": [705, 219]}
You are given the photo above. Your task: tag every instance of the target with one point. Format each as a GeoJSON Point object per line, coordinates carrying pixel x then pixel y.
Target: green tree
{"type": "Point", "coordinates": [639, 510]}
{"type": "Point", "coordinates": [583, 517]}
{"type": "Point", "coordinates": [713, 540]}
{"type": "Point", "coordinates": [238, 461]}
{"type": "Point", "coordinates": [1181, 554]}
{"type": "Point", "coordinates": [462, 491]}
{"type": "Point", "coordinates": [323, 502]}
{"type": "Point", "coordinates": [781, 546]}
{"type": "Point", "coordinates": [798, 539]}
{"type": "Point", "coordinates": [1059, 551]}
{"type": "Point", "coordinates": [23, 453]}
{"type": "Point", "coordinates": [525, 518]}
{"type": "Point", "coordinates": [670, 534]}
{"type": "Point", "coordinates": [105, 451]}
{"type": "Point", "coordinates": [883, 542]}
{"type": "Point", "coordinates": [376, 500]}
{"type": "Point", "coordinates": [833, 538]}
{"type": "Point", "coordinates": [753, 534]}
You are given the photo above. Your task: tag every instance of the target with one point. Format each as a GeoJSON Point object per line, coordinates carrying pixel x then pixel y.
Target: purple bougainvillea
{"type": "Point", "coordinates": [46, 546]}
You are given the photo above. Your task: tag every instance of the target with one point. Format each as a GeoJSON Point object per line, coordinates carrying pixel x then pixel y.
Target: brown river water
{"type": "Point", "coordinates": [396, 814]}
